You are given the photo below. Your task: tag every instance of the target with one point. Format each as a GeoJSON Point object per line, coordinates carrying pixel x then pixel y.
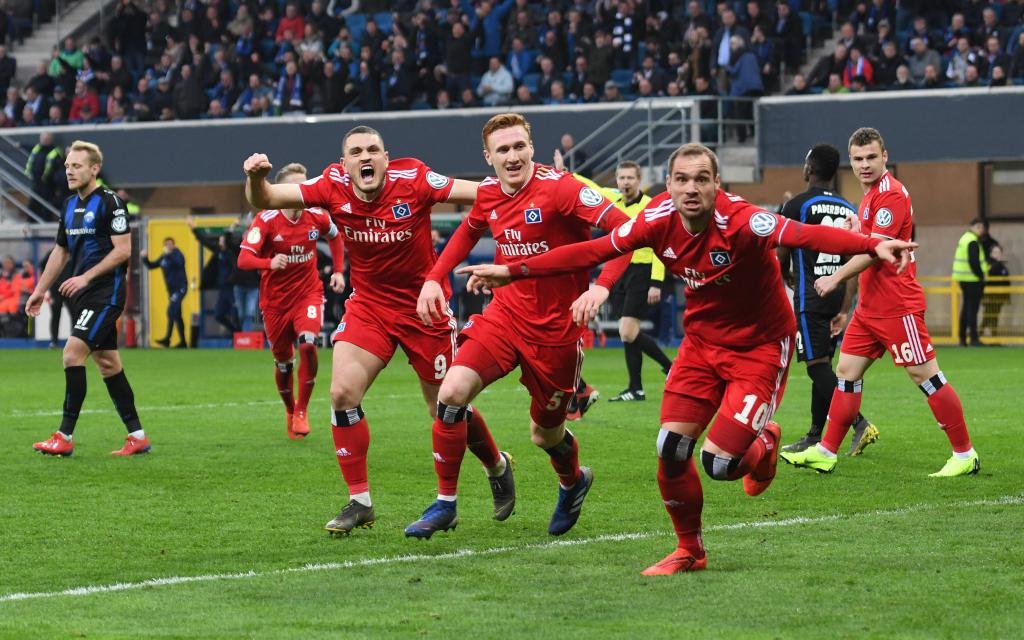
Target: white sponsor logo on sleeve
{"type": "Point", "coordinates": [763, 223]}
{"type": "Point", "coordinates": [883, 218]}
{"type": "Point", "coordinates": [436, 180]}
{"type": "Point", "coordinates": [589, 197]}
{"type": "Point", "coordinates": [625, 228]}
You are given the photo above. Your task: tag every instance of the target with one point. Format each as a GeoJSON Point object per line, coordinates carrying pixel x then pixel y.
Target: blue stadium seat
{"type": "Point", "coordinates": [807, 20]}
{"type": "Point", "coordinates": [357, 26]}
{"type": "Point", "coordinates": [532, 81]}
{"type": "Point", "coordinates": [623, 78]}
{"type": "Point", "coordinates": [1018, 81]}
{"type": "Point", "coordinates": [567, 79]}
{"type": "Point", "coordinates": [420, 105]}
{"type": "Point", "coordinates": [384, 21]}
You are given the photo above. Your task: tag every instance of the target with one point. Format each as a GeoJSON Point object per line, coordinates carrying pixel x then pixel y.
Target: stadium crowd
{"type": "Point", "coordinates": [161, 61]}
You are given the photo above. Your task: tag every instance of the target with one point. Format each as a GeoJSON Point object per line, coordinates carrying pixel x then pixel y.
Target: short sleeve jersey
{"type": "Point", "coordinates": [816, 206]}
{"type": "Point", "coordinates": [387, 240]}
{"type": "Point", "coordinates": [734, 291]}
{"type": "Point", "coordinates": [272, 233]}
{"type": "Point", "coordinates": [552, 209]}
{"type": "Point", "coordinates": [85, 230]}
{"type": "Point", "coordinates": [886, 211]}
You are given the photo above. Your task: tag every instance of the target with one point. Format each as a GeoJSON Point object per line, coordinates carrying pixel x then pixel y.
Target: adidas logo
{"type": "Point", "coordinates": [342, 452]}
{"type": "Point", "coordinates": [278, 238]}
{"type": "Point", "coordinates": [669, 253]}
{"type": "Point", "coordinates": [929, 349]}
{"type": "Point", "coordinates": [494, 214]}
{"type": "Point", "coordinates": [346, 208]}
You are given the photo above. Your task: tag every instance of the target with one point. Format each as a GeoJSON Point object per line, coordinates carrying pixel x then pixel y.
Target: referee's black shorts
{"type": "Point", "coordinates": [629, 296]}
{"type": "Point", "coordinates": [94, 317]}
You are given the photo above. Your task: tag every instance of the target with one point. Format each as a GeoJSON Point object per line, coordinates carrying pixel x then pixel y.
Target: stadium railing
{"type": "Point", "coordinates": [1000, 320]}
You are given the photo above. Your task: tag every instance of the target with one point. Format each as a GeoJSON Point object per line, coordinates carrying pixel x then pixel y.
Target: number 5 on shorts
{"type": "Point", "coordinates": [556, 399]}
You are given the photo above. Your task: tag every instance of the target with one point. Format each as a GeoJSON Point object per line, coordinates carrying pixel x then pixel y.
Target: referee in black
{"type": "Point", "coordinates": [93, 236]}
{"type": "Point", "coordinates": [819, 321]}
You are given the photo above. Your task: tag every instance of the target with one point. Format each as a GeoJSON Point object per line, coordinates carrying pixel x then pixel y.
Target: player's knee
{"type": "Point", "coordinates": [675, 447]}
{"type": "Point", "coordinates": [718, 467]}
{"type": "Point", "coordinates": [454, 392]}
{"type": "Point", "coordinates": [628, 330]}
{"type": "Point", "coordinates": [547, 437]}
{"type": "Point", "coordinates": [344, 395]}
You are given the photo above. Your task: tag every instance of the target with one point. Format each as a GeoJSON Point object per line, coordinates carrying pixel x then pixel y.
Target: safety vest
{"type": "Point", "coordinates": [961, 267]}
{"type": "Point", "coordinates": [643, 255]}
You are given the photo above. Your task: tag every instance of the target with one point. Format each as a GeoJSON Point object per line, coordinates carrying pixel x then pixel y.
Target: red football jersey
{"type": "Point", "coordinates": [886, 211]}
{"type": "Point", "coordinates": [272, 233]}
{"type": "Point", "coordinates": [387, 240]}
{"type": "Point", "coordinates": [551, 210]}
{"type": "Point", "coordinates": [734, 290]}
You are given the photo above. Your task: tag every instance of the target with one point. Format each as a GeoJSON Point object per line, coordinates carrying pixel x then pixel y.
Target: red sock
{"type": "Point", "coordinates": [351, 442]}
{"type": "Point", "coordinates": [949, 413]}
{"type": "Point", "coordinates": [565, 458]}
{"type": "Point", "coordinates": [842, 411]}
{"type": "Point", "coordinates": [307, 375]}
{"type": "Point", "coordinates": [684, 500]}
{"type": "Point", "coordinates": [283, 379]}
{"type": "Point", "coordinates": [449, 448]}
{"type": "Point", "coordinates": [755, 453]}
{"type": "Point", "coordinates": [479, 440]}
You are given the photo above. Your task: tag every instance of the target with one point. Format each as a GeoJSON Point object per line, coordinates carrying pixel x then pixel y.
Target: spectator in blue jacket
{"type": "Point", "coordinates": [744, 81]}
{"type": "Point", "coordinates": [485, 24]}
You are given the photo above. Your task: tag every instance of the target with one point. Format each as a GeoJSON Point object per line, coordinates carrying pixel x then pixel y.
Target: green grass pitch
{"type": "Point", "coordinates": [218, 532]}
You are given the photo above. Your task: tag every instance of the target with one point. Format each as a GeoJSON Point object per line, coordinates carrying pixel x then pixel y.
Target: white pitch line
{"type": "Point", "coordinates": [46, 413]}
{"type": "Point", "coordinates": [1015, 500]}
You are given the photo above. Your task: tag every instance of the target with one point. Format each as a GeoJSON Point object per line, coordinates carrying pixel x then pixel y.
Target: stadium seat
{"type": "Point", "coordinates": [532, 81]}
{"type": "Point", "coordinates": [567, 80]}
{"type": "Point", "coordinates": [357, 26]}
{"type": "Point", "coordinates": [623, 78]}
{"type": "Point", "coordinates": [384, 21]}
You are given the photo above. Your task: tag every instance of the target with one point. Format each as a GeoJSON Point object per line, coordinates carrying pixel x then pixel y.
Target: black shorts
{"type": "Point", "coordinates": [813, 339]}
{"type": "Point", "coordinates": [629, 296]}
{"type": "Point", "coordinates": [94, 317]}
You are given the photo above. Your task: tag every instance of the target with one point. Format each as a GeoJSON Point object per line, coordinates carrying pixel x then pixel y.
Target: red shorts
{"type": "Point", "coordinates": [744, 386]}
{"type": "Point", "coordinates": [549, 373]}
{"type": "Point", "coordinates": [380, 331]}
{"type": "Point", "coordinates": [306, 316]}
{"type": "Point", "coordinates": [905, 338]}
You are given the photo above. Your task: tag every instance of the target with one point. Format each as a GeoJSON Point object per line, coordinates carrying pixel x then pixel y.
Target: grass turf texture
{"type": "Point", "coordinates": [876, 549]}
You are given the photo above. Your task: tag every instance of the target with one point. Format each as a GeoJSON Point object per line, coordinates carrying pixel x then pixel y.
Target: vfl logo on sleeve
{"type": "Point", "coordinates": [720, 258]}
{"type": "Point", "coordinates": [625, 228]}
{"type": "Point", "coordinates": [119, 224]}
{"type": "Point", "coordinates": [532, 216]}
{"type": "Point", "coordinates": [254, 236]}
{"type": "Point", "coordinates": [401, 211]}
{"type": "Point", "coordinates": [436, 180]}
{"type": "Point", "coordinates": [589, 197]}
{"type": "Point", "coordinates": [883, 218]}
{"type": "Point", "coordinates": [763, 223]}
{"type": "Point", "coordinates": [313, 234]}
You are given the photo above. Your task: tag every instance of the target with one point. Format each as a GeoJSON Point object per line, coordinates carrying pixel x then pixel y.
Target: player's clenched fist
{"type": "Point", "coordinates": [257, 166]}
{"type": "Point", "coordinates": [278, 262]}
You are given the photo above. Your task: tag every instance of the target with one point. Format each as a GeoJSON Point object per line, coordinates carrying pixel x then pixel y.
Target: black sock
{"type": "Point", "coordinates": [581, 386]}
{"type": "Point", "coordinates": [823, 385]}
{"type": "Point", "coordinates": [124, 400]}
{"type": "Point", "coordinates": [650, 347]}
{"type": "Point", "coordinates": [634, 362]}
{"type": "Point", "coordinates": [74, 396]}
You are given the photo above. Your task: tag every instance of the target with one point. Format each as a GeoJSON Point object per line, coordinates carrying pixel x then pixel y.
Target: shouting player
{"type": "Point", "coordinates": [382, 210]}
{"type": "Point", "coordinates": [820, 319]}
{"type": "Point", "coordinates": [529, 208]}
{"type": "Point", "coordinates": [282, 244]}
{"type": "Point", "coordinates": [889, 317]}
{"type": "Point", "coordinates": [733, 361]}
